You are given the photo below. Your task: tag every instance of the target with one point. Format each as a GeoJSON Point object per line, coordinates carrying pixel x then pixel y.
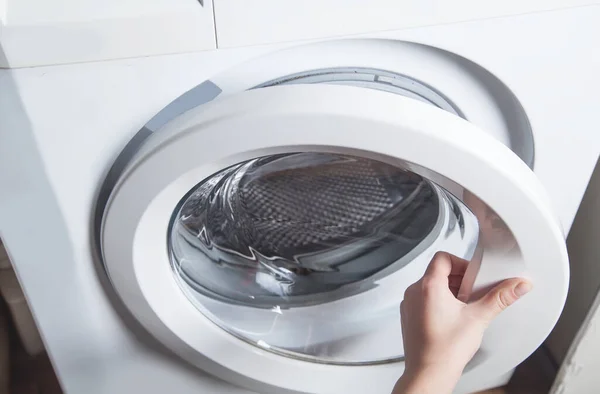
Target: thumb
{"type": "Point", "coordinates": [500, 297]}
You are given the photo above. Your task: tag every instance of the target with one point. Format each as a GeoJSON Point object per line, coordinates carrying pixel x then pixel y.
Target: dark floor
{"type": "Point", "coordinates": [28, 375]}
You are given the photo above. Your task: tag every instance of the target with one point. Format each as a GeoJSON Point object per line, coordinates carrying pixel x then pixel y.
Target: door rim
{"type": "Point", "coordinates": [126, 222]}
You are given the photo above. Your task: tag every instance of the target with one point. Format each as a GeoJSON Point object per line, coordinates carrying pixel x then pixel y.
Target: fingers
{"type": "Point", "coordinates": [454, 283]}
{"type": "Point", "coordinates": [443, 265]}
{"type": "Point", "coordinates": [500, 297]}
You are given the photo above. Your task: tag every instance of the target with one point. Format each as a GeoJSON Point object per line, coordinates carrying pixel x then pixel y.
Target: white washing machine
{"type": "Point", "coordinates": [230, 197]}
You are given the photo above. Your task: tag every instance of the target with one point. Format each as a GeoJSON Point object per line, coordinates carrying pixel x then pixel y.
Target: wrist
{"type": "Point", "coordinates": [433, 379]}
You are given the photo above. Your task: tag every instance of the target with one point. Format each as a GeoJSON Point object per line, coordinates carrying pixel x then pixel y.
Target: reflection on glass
{"type": "Point", "coordinates": [272, 229]}
{"type": "Point", "coordinates": [302, 253]}
{"type": "Point", "coordinates": [495, 234]}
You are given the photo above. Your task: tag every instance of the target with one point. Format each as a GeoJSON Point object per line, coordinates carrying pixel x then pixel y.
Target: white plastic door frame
{"type": "Point", "coordinates": [325, 118]}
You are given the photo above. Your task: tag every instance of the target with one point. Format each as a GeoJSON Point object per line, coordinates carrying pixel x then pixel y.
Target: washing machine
{"type": "Point", "coordinates": [231, 197]}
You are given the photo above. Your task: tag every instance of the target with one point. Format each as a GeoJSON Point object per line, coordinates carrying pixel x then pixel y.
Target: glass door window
{"type": "Point", "coordinates": [294, 252]}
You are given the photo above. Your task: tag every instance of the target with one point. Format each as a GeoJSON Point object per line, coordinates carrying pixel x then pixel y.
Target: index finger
{"type": "Point", "coordinates": [444, 264]}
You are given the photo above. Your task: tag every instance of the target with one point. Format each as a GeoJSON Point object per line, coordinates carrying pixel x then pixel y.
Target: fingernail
{"type": "Point", "coordinates": [523, 288]}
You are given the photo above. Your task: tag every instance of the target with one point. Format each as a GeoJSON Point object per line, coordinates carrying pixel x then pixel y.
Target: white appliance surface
{"type": "Point", "coordinates": [62, 126]}
{"type": "Point", "coordinates": [36, 33]}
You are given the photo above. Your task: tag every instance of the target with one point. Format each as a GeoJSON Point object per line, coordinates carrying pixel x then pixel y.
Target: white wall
{"type": "Point", "coordinates": [581, 363]}
{"type": "Point", "coordinates": [578, 373]}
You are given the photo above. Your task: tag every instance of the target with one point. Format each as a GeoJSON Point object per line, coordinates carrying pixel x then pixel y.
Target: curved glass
{"type": "Point", "coordinates": [307, 254]}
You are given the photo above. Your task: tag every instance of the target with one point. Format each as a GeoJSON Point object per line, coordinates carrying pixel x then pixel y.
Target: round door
{"type": "Point", "coordinates": [268, 237]}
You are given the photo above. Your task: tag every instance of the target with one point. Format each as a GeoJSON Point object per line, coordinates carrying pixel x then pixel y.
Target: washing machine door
{"type": "Point", "coordinates": [268, 237]}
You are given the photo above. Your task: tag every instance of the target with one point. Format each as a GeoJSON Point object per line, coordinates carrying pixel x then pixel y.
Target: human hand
{"type": "Point", "coordinates": [440, 333]}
